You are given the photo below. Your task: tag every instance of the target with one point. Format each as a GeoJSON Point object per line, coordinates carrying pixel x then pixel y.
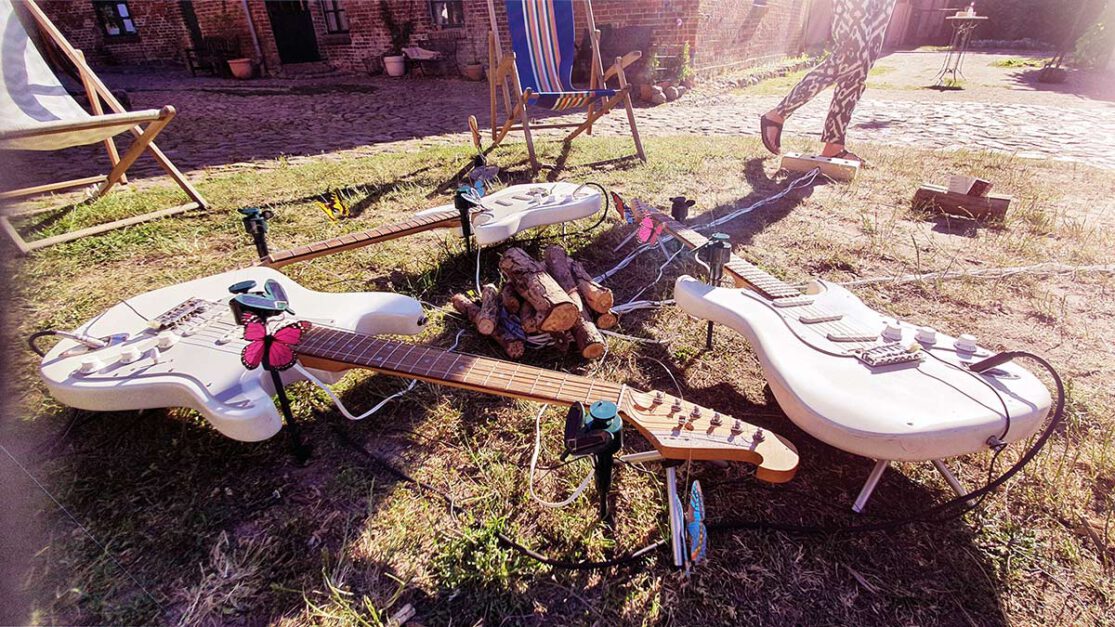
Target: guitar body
{"type": "Point", "coordinates": [199, 364]}
{"type": "Point", "coordinates": [903, 412]}
{"type": "Point", "coordinates": [521, 207]}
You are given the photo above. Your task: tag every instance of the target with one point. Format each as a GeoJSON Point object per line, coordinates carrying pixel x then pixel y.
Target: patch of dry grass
{"type": "Point", "coordinates": [228, 532]}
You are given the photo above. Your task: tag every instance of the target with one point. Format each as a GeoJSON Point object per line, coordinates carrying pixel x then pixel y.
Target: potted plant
{"type": "Point", "coordinates": [394, 62]}
{"type": "Point", "coordinates": [240, 68]}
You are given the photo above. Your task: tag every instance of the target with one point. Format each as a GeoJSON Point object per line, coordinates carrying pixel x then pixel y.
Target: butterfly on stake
{"type": "Point", "coordinates": [695, 525]}
{"type": "Point", "coordinates": [334, 207]}
{"type": "Point", "coordinates": [274, 351]}
{"type": "Point", "coordinates": [649, 230]}
{"type": "Point", "coordinates": [622, 208]}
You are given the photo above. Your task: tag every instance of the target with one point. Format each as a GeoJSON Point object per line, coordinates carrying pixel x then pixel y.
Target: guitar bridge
{"type": "Point", "coordinates": [889, 355]}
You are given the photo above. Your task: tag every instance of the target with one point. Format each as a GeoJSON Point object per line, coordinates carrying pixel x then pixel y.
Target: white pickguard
{"type": "Point", "coordinates": [906, 412]}
{"type": "Point", "coordinates": [200, 367]}
{"type": "Point", "coordinates": [521, 207]}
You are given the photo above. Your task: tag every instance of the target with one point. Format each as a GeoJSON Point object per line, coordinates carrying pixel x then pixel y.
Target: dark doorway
{"type": "Point", "coordinates": [294, 30]}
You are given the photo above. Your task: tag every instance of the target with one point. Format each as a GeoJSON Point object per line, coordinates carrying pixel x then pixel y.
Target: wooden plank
{"type": "Point", "coordinates": [16, 238]}
{"type": "Point", "coordinates": [49, 187]}
{"type": "Point", "coordinates": [836, 169]}
{"type": "Point", "coordinates": [992, 207]}
{"type": "Point", "coordinates": [108, 226]}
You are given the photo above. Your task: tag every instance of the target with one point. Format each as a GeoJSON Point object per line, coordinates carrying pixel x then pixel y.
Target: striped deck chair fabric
{"type": "Point", "coordinates": [542, 36]}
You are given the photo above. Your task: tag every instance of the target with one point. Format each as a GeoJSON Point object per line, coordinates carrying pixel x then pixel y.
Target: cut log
{"type": "Point", "coordinates": [590, 342]}
{"type": "Point", "coordinates": [558, 265]}
{"type": "Point", "coordinates": [596, 296]}
{"type": "Point", "coordinates": [488, 316]}
{"type": "Point", "coordinates": [510, 298]}
{"type": "Point", "coordinates": [607, 320]}
{"type": "Point", "coordinates": [538, 288]}
{"type": "Point", "coordinates": [511, 345]}
{"type": "Point", "coordinates": [528, 318]}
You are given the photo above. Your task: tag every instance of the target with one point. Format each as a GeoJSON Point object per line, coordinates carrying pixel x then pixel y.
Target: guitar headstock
{"type": "Point", "coordinates": [682, 430]}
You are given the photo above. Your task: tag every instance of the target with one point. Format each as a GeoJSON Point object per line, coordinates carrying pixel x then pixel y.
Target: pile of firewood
{"type": "Point", "coordinates": [555, 296]}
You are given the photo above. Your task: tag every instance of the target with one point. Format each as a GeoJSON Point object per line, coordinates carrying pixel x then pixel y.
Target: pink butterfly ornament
{"type": "Point", "coordinates": [280, 354]}
{"type": "Point", "coordinates": [649, 230]}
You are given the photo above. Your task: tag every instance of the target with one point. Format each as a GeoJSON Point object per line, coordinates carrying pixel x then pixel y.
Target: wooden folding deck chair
{"type": "Point", "coordinates": [37, 113]}
{"type": "Point", "coordinates": [539, 70]}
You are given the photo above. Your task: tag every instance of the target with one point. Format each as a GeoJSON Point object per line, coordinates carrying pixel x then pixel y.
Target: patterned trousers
{"type": "Point", "coordinates": [858, 29]}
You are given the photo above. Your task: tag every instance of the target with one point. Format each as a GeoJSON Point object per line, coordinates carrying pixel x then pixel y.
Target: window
{"type": "Point", "coordinates": [335, 19]}
{"type": "Point", "coordinates": [116, 18]}
{"type": "Point", "coordinates": [448, 13]}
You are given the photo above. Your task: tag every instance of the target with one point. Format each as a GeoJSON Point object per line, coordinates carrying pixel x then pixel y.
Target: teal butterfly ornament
{"type": "Point", "coordinates": [695, 528]}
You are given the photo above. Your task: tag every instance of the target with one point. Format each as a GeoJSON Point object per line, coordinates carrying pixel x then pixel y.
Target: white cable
{"type": "Point", "coordinates": [641, 304]}
{"type": "Point", "coordinates": [658, 277]}
{"type": "Point", "coordinates": [378, 406]}
{"type": "Point", "coordinates": [534, 462]}
{"type": "Point", "coordinates": [478, 289]}
{"type": "Point", "coordinates": [632, 338]}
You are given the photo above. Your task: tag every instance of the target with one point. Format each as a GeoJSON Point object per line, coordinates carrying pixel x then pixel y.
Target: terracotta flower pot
{"type": "Point", "coordinates": [240, 68]}
{"type": "Point", "coordinates": [396, 65]}
{"type": "Point", "coordinates": [473, 71]}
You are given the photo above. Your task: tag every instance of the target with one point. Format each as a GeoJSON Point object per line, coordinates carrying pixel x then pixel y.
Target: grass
{"type": "Point", "coordinates": [219, 531]}
{"type": "Point", "coordinates": [1016, 62]}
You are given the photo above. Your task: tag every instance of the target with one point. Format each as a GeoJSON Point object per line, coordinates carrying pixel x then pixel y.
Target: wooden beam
{"type": "Point", "coordinates": [49, 187]}
{"type": "Point", "coordinates": [992, 207]}
{"type": "Point", "coordinates": [26, 247]}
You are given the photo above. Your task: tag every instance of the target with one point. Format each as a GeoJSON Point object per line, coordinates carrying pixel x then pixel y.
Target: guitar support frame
{"type": "Point", "coordinates": [255, 224]}
{"type": "Point", "coordinates": [877, 473]}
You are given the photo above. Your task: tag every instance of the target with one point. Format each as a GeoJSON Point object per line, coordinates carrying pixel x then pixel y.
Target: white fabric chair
{"type": "Point", "coordinates": [37, 113]}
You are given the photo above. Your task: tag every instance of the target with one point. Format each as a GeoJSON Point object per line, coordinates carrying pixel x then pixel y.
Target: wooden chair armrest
{"type": "Point", "coordinates": [625, 61]}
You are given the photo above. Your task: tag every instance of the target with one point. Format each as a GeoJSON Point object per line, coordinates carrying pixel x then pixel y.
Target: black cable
{"type": "Point", "coordinates": [928, 514]}
{"type": "Point", "coordinates": [505, 540]}
{"type": "Point", "coordinates": [977, 377]}
{"type": "Point", "coordinates": [603, 217]}
{"type": "Point", "coordinates": [36, 335]}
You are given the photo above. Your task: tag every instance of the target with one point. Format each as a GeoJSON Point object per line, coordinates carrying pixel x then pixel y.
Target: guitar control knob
{"type": "Point", "coordinates": [966, 343]}
{"type": "Point", "coordinates": [893, 331]}
{"type": "Point", "coordinates": [716, 419]}
{"type": "Point", "coordinates": [926, 335]}
{"type": "Point", "coordinates": [90, 365]}
{"type": "Point", "coordinates": [130, 354]}
{"type": "Point", "coordinates": [166, 340]}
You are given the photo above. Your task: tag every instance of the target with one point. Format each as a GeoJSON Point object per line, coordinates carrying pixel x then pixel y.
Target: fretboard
{"type": "Point", "coordinates": [364, 238]}
{"type": "Point", "coordinates": [415, 361]}
{"type": "Point", "coordinates": [742, 270]}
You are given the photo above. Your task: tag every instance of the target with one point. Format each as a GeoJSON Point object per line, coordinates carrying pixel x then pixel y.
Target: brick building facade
{"type": "Point", "coordinates": [351, 34]}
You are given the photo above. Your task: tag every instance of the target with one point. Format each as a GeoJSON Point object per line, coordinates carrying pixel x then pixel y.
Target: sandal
{"type": "Point", "coordinates": [772, 143]}
{"type": "Point", "coordinates": [850, 156]}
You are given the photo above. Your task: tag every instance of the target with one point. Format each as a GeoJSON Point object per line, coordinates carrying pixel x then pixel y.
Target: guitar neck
{"type": "Point", "coordinates": [333, 349]}
{"type": "Point", "coordinates": [742, 271]}
{"type": "Point", "coordinates": [350, 241]}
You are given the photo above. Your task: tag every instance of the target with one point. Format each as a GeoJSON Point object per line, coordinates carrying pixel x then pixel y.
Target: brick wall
{"type": "Point", "coordinates": [721, 33]}
{"type": "Point", "coordinates": [735, 33]}
{"type": "Point", "coordinates": [161, 31]}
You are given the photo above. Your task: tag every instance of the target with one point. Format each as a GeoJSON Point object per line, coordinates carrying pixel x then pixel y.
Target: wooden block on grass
{"type": "Point", "coordinates": [836, 169]}
{"type": "Point", "coordinates": [992, 207]}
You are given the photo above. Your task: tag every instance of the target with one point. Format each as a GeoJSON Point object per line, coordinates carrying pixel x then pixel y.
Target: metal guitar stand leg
{"type": "Point", "coordinates": [719, 253]}
{"type": "Point", "coordinates": [869, 487]}
{"type": "Point", "coordinates": [464, 206]}
{"type": "Point", "coordinates": [950, 478]}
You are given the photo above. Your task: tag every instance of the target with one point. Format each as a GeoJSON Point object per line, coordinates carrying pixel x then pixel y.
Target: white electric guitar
{"type": "Point", "coordinates": [180, 347]}
{"type": "Point", "coordinates": [499, 216]}
{"type": "Point", "coordinates": [861, 381]}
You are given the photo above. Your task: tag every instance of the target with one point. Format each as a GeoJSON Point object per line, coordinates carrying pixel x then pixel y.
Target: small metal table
{"type": "Point", "coordinates": [962, 27]}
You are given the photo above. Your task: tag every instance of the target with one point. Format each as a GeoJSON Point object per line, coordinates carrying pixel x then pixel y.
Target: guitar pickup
{"type": "Point", "coordinates": [506, 203]}
{"type": "Point", "coordinates": [815, 317]}
{"type": "Point", "coordinates": [792, 301]}
{"type": "Point", "coordinates": [852, 336]}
